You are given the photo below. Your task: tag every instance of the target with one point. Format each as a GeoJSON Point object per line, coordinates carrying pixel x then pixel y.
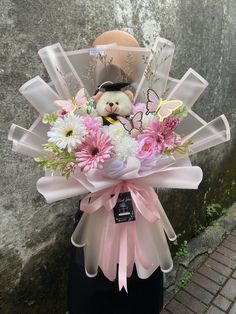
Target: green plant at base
{"type": "Point", "coordinates": [179, 235]}
{"type": "Point", "coordinates": [212, 210]}
{"type": "Point", "coordinates": [185, 280]}
{"type": "Point", "coordinates": [214, 223]}
{"type": "Point", "coordinates": [183, 250]}
{"type": "Point", "coordinates": [215, 211]}
{"type": "Point", "coordinates": [198, 228]}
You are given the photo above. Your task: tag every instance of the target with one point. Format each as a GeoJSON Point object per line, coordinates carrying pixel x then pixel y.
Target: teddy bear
{"type": "Point", "coordinates": [113, 102]}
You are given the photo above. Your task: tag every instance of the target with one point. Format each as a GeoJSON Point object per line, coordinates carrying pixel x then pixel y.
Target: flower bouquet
{"type": "Point", "coordinates": [113, 125]}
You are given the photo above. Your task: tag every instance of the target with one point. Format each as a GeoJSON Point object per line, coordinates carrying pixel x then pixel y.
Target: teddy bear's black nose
{"type": "Point", "coordinates": [111, 104]}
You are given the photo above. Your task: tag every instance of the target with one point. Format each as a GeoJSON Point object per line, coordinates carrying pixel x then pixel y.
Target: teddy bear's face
{"type": "Point", "coordinates": [115, 102]}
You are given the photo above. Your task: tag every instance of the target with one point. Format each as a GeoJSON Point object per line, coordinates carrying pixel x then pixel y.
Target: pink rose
{"type": "Point", "coordinates": [147, 147]}
{"type": "Point", "coordinates": [155, 130]}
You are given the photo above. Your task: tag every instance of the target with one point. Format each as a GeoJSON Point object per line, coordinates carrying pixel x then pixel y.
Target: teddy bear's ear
{"type": "Point", "coordinates": [98, 96]}
{"type": "Point", "coordinates": [129, 94]}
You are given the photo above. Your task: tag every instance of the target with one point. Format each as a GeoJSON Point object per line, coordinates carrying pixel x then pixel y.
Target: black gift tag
{"type": "Point", "coordinates": [123, 211]}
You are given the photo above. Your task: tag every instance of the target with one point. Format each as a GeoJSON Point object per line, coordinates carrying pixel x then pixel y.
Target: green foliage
{"type": "Point", "coordinates": [182, 245]}
{"type": "Point", "coordinates": [182, 149]}
{"type": "Point", "coordinates": [181, 112]}
{"type": "Point", "coordinates": [183, 250]}
{"type": "Point", "coordinates": [198, 228]}
{"type": "Point", "coordinates": [58, 159]}
{"type": "Point", "coordinates": [179, 235]}
{"type": "Point", "coordinates": [214, 223]}
{"type": "Point", "coordinates": [185, 280]}
{"type": "Point", "coordinates": [49, 118]}
{"type": "Point", "coordinates": [52, 148]}
{"type": "Point", "coordinates": [214, 211]}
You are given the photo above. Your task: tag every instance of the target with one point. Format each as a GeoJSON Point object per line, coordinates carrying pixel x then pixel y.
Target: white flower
{"type": "Point", "coordinates": [126, 147]}
{"type": "Point", "coordinates": [67, 132]}
{"type": "Point", "coordinates": [117, 132]}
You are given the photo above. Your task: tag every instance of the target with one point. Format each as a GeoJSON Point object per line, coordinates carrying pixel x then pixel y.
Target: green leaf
{"type": "Point", "coordinates": [58, 159]}
{"type": "Point", "coordinates": [181, 112]}
{"type": "Point", "coordinates": [180, 150]}
{"type": "Point", "coordinates": [187, 143]}
{"type": "Point", "coordinates": [185, 280]}
{"type": "Point", "coordinates": [49, 118]}
{"type": "Point", "coordinates": [51, 147]}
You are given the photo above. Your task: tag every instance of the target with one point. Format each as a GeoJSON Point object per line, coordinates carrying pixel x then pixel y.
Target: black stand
{"type": "Point", "coordinates": [98, 295]}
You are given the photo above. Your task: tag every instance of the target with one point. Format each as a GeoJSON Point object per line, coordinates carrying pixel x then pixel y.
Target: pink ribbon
{"type": "Point", "coordinates": [108, 197]}
{"type": "Point", "coordinates": [145, 202]}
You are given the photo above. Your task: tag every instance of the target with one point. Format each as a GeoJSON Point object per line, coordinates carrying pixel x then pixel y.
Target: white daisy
{"type": "Point", "coordinates": [127, 147]}
{"type": "Point", "coordinates": [67, 132]}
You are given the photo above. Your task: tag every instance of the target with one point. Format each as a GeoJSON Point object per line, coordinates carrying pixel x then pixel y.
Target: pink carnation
{"type": "Point", "coordinates": [163, 134]}
{"type": "Point", "coordinates": [94, 151]}
{"type": "Point", "coordinates": [155, 130]}
{"type": "Point", "coordinates": [171, 123]}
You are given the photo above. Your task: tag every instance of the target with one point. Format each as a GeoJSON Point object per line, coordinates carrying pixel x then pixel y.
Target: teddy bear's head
{"type": "Point", "coordinates": [114, 101]}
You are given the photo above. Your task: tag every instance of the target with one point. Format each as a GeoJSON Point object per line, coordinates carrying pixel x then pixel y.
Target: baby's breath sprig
{"type": "Point", "coordinates": [91, 104]}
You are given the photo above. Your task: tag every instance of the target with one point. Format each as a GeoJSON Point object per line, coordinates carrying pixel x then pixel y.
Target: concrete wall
{"type": "Point", "coordinates": [35, 236]}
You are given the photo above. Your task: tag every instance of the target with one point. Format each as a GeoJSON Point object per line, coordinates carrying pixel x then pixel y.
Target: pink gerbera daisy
{"type": "Point", "coordinates": [94, 151]}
